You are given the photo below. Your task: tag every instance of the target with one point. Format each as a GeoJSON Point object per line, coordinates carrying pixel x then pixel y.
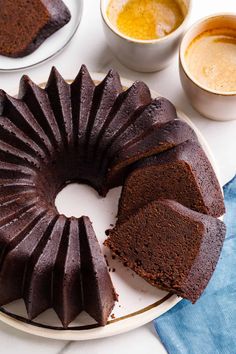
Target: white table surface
{"type": "Point", "coordinates": [89, 47]}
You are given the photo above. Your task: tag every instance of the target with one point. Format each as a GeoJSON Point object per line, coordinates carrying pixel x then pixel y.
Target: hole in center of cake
{"type": "Point", "coordinates": [79, 199]}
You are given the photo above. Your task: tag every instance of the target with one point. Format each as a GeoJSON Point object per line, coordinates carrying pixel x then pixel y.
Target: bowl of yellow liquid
{"type": "Point", "coordinates": [144, 34]}
{"type": "Point", "coordinates": [208, 66]}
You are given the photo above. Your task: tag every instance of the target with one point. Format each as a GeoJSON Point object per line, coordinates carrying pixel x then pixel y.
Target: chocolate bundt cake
{"type": "Point", "coordinates": [24, 24]}
{"type": "Point", "coordinates": [183, 173]}
{"type": "Point", "coordinates": [172, 247]}
{"type": "Point", "coordinates": [52, 136]}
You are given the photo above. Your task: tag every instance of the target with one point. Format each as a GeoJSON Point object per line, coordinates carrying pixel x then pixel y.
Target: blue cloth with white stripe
{"type": "Point", "coordinates": [209, 326]}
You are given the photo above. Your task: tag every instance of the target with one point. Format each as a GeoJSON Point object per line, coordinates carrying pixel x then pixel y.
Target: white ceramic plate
{"type": "Point", "coordinates": [139, 302]}
{"type": "Point", "coordinates": [51, 46]}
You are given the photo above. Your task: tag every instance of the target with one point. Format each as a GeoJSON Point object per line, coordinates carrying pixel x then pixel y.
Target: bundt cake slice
{"type": "Point", "coordinates": [98, 291]}
{"type": "Point", "coordinates": [24, 24]}
{"type": "Point", "coordinates": [183, 173]}
{"type": "Point", "coordinates": [155, 140]}
{"type": "Point", "coordinates": [172, 247]}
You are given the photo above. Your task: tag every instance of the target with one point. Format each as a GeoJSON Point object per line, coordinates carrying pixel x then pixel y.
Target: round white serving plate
{"type": "Point", "coordinates": [139, 302]}
{"type": "Point", "coordinates": [51, 46]}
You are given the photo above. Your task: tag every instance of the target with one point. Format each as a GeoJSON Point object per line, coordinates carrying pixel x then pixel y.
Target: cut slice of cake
{"type": "Point", "coordinates": [172, 247]}
{"type": "Point", "coordinates": [24, 24]}
{"type": "Point", "coordinates": [183, 173]}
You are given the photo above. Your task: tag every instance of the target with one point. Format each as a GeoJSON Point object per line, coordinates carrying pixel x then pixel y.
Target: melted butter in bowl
{"type": "Point", "coordinates": [211, 59]}
{"type": "Point", "coordinates": [146, 19]}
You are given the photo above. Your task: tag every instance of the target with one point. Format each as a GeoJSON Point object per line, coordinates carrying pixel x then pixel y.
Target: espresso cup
{"type": "Point", "coordinates": [210, 103]}
{"type": "Point", "coordinates": [144, 55]}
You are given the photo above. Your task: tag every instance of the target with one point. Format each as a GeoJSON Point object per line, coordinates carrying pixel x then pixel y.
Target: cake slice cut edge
{"type": "Point", "coordinates": [172, 247]}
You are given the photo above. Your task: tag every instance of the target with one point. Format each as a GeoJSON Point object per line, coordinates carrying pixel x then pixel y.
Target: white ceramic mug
{"type": "Point", "coordinates": [143, 55]}
{"type": "Point", "coordinates": [212, 104]}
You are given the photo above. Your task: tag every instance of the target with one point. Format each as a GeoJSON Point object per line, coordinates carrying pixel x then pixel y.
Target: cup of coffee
{"type": "Point", "coordinates": [144, 35]}
{"type": "Point", "coordinates": [207, 64]}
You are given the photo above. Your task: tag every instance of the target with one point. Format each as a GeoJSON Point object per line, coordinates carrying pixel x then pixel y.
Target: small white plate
{"type": "Point", "coordinates": [139, 302]}
{"type": "Point", "coordinates": [51, 46]}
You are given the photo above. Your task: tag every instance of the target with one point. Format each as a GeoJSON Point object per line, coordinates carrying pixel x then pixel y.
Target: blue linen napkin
{"type": "Point", "coordinates": [209, 326]}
